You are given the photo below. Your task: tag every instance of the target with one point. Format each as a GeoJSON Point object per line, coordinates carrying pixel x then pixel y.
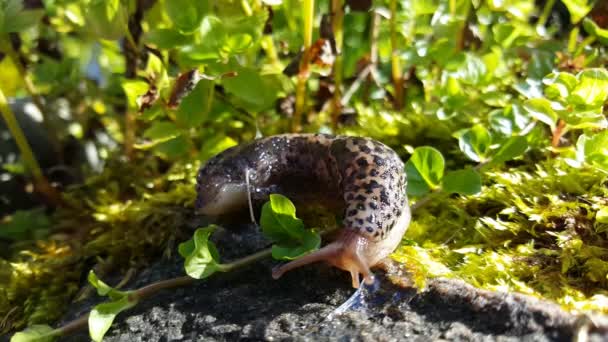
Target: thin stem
{"type": "Point", "coordinates": [356, 84]}
{"type": "Point", "coordinates": [72, 326]}
{"type": "Point", "coordinates": [20, 139]}
{"type": "Point", "coordinates": [246, 8]}
{"type": "Point", "coordinates": [396, 71]}
{"type": "Point", "coordinates": [42, 184]}
{"type": "Point", "coordinates": [270, 50]}
{"type": "Point", "coordinates": [30, 88]}
{"type": "Point", "coordinates": [7, 48]}
{"type": "Point", "coordinates": [572, 39]}
{"type": "Point", "coordinates": [423, 201]}
{"type": "Point", "coordinates": [337, 10]}
{"type": "Point", "coordinates": [154, 288]}
{"type": "Point", "coordinates": [373, 52]}
{"type": "Point", "coordinates": [308, 9]}
{"type": "Point", "coordinates": [545, 13]}
{"type": "Point", "coordinates": [131, 53]}
{"type": "Point", "coordinates": [246, 261]}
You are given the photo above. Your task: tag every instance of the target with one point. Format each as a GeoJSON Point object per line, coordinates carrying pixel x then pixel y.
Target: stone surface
{"type": "Point", "coordinates": [249, 305]}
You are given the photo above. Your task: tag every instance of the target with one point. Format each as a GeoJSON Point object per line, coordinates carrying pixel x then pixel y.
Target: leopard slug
{"type": "Point", "coordinates": [365, 176]}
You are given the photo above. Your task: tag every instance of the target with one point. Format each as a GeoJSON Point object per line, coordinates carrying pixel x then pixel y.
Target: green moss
{"type": "Point", "coordinates": [120, 219]}
{"type": "Point", "coordinates": [531, 230]}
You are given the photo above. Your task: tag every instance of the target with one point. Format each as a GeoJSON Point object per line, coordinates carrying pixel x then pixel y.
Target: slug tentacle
{"type": "Point", "coordinates": [345, 253]}
{"type": "Point", "coordinates": [361, 177]}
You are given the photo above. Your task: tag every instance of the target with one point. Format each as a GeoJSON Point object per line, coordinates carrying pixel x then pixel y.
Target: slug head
{"type": "Point", "coordinates": [221, 186]}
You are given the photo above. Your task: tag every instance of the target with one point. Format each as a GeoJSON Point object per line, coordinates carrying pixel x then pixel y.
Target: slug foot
{"type": "Point", "coordinates": [345, 253]}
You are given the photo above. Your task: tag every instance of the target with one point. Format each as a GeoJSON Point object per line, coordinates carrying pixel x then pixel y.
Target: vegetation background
{"type": "Point", "coordinates": [110, 106]}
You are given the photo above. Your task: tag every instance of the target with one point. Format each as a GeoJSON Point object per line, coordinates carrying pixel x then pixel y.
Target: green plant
{"type": "Point", "coordinates": [498, 111]}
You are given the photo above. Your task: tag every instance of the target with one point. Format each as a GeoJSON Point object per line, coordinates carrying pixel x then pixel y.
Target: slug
{"type": "Point", "coordinates": [365, 177]}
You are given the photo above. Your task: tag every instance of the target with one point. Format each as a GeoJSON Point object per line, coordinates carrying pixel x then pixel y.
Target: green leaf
{"type": "Point", "coordinates": [102, 316]}
{"type": "Point", "coordinates": [578, 9]}
{"type": "Point", "coordinates": [155, 67]}
{"type": "Point", "coordinates": [104, 289]}
{"type": "Point", "coordinates": [13, 17]}
{"type": "Point", "coordinates": [583, 118]}
{"type": "Point", "coordinates": [464, 182]}
{"type": "Point", "coordinates": [592, 87]}
{"type": "Point", "coordinates": [512, 148]}
{"type": "Point", "coordinates": [133, 90]}
{"type": "Point", "coordinates": [173, 148]}
{"type": "Point", "coordinates": [202, 258]}
{"type": "Point", "coordinates": [416, 185]}
{"type": "Point", "coordinates": [594, 149]}
{"type": "Point", "coordinates": [215, 144]}
{"type": "Point", "coordinates": [159, 132]}
{"type": "Point", "coordinates": [258, 92]}
{"type": "Point", "coordinates": [107, 19]}
{"type": "Point", "coordinates": [559, 84]}
{"type": "Point", "coordinates": [24, 224]}
{"type": "Point", "coordinates": [507, 33]}
{"type": "Point", "coordinates": [594, 30]}
{"type": "Point", "coordinates": [279, 222]}
{"type": "Point", "coordinates": [36, 333]}
{"type": "Point", "coordinates": [541, 63]}
{"type": "Point", "coordinates": [154, 112]}
{"type": "Point", "coordinates": [541, 110]}
{"type": "Point", "coordinates": [472, 69]}
{"type": "Point", "coordinates": [475, 143]}
{"type": "Point", "coordinates": [430, 165]}
{"type": "Point", "coordinates": [310, 242]}
{"type": "Point", "coordinates": [186, 15]}
{"type": "Point", "coordinates": [195, 107]}
{"type": "Point", "coordinates": [167, 38]}
{"type": "Point", "coordinates": [601, 216]}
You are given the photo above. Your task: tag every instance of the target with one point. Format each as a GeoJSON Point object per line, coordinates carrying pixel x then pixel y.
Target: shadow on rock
{"type": "Point", "coordinates": [249, 305]}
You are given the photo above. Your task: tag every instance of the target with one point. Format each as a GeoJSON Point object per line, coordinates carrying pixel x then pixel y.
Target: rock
{"type": "Point", "coordinates": [250, 305]}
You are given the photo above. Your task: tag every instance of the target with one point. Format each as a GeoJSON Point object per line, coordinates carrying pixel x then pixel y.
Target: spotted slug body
{"type": "Point", "coordinates": [364, 175]}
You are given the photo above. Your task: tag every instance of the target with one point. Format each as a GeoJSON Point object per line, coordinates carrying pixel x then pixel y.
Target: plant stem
{"type": "Point", "coordinates": [154, 288]}
{"type": "Point", "coordinates": [422, 201]}
{"type": "Point", "coordinates": [246, 8]}
{"type": "Point", "coordinates": [245, 261]}
{"type": "Point", "coordinates": [41, 183]}
{"type": "Point", "coordinates": [396, 71]}
{"type": "Point", "coordinates": [545, 13]}
{"type": "Point", "coordinates": [308, 10]}
{"type": "Point", "coordinates": [72, 326]}
{"type": "Point", "coordinates": [270, 50]}
{"type": "Point", "coordinates": [337, 11]}
{"type": "Point", "coordinates": [131, 53]}
{"type": "Point", "coordinates": [13, 55]}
